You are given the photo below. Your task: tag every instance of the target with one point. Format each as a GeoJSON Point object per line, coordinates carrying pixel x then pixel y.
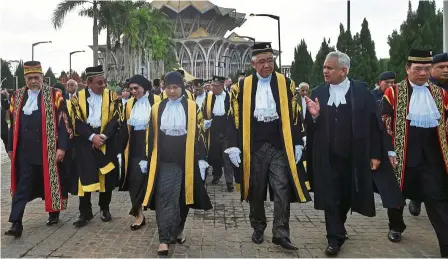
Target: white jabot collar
{"type": "Point", "coordinates": [219, 108]}
{"type": "Point", "coordinates": [200, 99]}
{"type": "Point", "coordinates": [95, 102]}
{"type": "Point", "coordinates": [303, 106]}
{"type": "Point", "coordinates": [338, 92]}
{"type": "Point", "coordinates": [265, 106]}
{"type": "Point", "coordinates": [141, 113]}
{"type": "Point", "coordinates": [423, 112]}
{"type": "Point", "coordinates": [124, 100]}
{"type": "Point", "coordinates": [173, 120]}
{"type": "Point", "coordinates": [31, 103]}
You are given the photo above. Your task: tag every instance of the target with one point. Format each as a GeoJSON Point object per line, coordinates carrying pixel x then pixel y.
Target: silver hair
{"type": "Point", "coordinates": [254, 58]}
{"type": "Point", "coordinates": [303, 84]}
{"type": "Point", "coordinates": [72, 81]}
{"type": "Point", "coordinates": [343, 59]}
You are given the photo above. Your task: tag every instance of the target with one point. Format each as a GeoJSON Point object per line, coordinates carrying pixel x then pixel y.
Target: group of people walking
{"type": "Point", "coordinates": [159, 146]}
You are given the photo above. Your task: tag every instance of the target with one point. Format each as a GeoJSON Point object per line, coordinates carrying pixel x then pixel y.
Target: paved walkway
{"type": "Point", "coordinates": [222, 232]}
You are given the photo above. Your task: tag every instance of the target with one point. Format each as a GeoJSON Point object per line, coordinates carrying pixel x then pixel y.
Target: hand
{"type": "Point", "coordinates": [207, 124]}
{"type": "Point", "coordinates": [143, 166]}
{"type": "Point", "coordinates": [393, 161]}
{"type": "Point", "coordinates": [374, 164]}
{"type": "Point", "coordinates": [119, 159]}
{"type": "Point", "coordinates": [60, 155]}
{"type": "Point", "coordinates": [298, 153]}
{"type": "Point", "coordinates": [203, 165]}
{"type": "Point", "coordinates": [304, 142]}
{"type": "Point", "coordinates": [10, 155]}
{"type": "Point", "coordinates": [103, 137]}
{"type": "Point", "coordinates": [234, 155]}
{"type": "Point", "coordinates": [312, 107]}
{"type": "Point", "coordinates": [97, 141]}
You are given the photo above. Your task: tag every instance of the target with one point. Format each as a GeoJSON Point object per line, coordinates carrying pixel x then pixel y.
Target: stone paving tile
{"type": "Point", "coordinates": [223, 232]}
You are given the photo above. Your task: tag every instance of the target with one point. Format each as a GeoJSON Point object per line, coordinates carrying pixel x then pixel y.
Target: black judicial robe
{"type": "Point", "coordinates": [219, 125]}
{"type": "Point", "coordinates": [366, 144]}
{"type": "Point", "coordinates": [35, 138]}
{"type": "Point", "coordinates": [194, 193]}
{"type": "Point", "coordinates": [97, 169]}
{"type": "Point", "coordinates": [125, 139]}
{"type": "Point", "coordinates": [241, 131]}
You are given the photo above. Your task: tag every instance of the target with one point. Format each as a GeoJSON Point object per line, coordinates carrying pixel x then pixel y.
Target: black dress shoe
{"type": "Point", "coordinates": [81, 221]}
{"type": "Point", "coordinates": [332, 250]}
{"type": "Point", "coordinates": [52, 220]}
{"type": "Point", "coordinates": [284, 242]}
{"type": "Point", "coordinates": [257, 237]}
{"type": "Point", "coordinates": [136, 227]}
{"type": "Point", "coordinates": [230, 187]}
{"type": "Point", "coordinates": [15, 230]}
{"type": "Point", "coordinates": [215, 180]}
{"type": "Point", "coordinates": [105, 216]}
{"type": "Point", "coordinates": [394, 236]}
{"type": "Point", "coordinates": [415, 207]}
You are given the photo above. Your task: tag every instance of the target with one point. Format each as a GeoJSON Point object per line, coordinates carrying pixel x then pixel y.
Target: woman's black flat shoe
{"type": "Point", "coordinates": [181, 240]}
{"type": "Point", "coordinates": [136, 227]}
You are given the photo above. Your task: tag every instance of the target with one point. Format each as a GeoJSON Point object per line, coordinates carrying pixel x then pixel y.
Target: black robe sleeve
{"type": "Point", "coordinates": [123, 137]}
{"type": "Point", "coordinates": [376, 129]}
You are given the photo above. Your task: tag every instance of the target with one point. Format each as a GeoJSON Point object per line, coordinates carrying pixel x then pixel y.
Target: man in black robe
{"type": "Point", "coordinates": [344, 145]}
{"type": "Point", "coordinates": [215, 109]}
{"type": "Point", "coordinates": [97, 120]}
{"type": "Point", "coordinates": [269, 139]}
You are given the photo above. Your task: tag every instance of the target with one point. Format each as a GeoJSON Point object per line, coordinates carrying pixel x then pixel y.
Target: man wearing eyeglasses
{"type": "Point", "coordinates": [385, 80]}
{"type": "Point", "coordinates": [414, 116]}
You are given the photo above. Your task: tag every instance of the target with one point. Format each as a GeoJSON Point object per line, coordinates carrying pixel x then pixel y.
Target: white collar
{"type": "Point", "coordinates": [265, 105]}
{"type": "Point", "coordinates": [95, 102]}
{"type": "Point", "coordinates": [423, 112]}
{"type": "Point", "coordinates": [31, 103]}
{"type": "Point", "coordinates": [141, 113]}
{"type": "Point", "coordinates": [173, 119]}
{"type": "Point", "coordinates": [219, 106]}
{"type": "Point", "coordinates": [338, 92]}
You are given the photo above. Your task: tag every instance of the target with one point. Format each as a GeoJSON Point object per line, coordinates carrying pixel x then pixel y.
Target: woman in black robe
{"type": "Point", "coordinates": [177, 168]}
{"type": "Point", "coordinates": [133, 145]}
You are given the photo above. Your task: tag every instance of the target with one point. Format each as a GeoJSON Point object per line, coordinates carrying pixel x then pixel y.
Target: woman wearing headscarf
{"type": "Point", "coordinates": [177, 165]}
{"type": "Point", "coordinates": [134, 145]}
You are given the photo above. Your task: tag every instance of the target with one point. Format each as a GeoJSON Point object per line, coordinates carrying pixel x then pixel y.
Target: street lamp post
{"type": "Point", "coordinates": [35, 44]}
{"type": "Point", "coordinates": [70, 58]}
{"type": "Point", "coordinates": [445, 26]}
{"type": "Point", "coordinates": [275, 17]}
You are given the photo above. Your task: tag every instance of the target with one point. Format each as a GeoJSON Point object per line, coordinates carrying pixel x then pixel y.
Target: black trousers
{"type": "Point", "coordinates": [336, 216]}
{"type": "Point", "coordinates": [85, 206]}
{"type": "Point", "coordinates": [270, 166]}
{"type": "Point", "coordinates": [218, 159]}
{"type": "Point", "coordinates": [28, 175]}
{"type": "Point", "coordinates": [396, 221]}
{"type": "Point", "coordinates": [429, 184]}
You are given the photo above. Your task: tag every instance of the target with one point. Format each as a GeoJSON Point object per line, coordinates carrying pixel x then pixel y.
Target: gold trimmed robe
{"type": "Point", "coordinates": [98, 170]}
{"type": "Point", "coordinates": [240, 133]}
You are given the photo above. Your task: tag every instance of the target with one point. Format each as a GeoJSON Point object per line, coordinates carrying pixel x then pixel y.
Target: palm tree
{"type": "Point", "coordinates": [64, 7]}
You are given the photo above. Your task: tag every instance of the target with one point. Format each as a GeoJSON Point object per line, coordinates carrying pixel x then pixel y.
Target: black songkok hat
{"type": "Point", "coordinates": [141, 81]}
{"type": "Point", "coordinates": [180, 71]}
{"type": "Point", "coordinates": [262, 47]}
{"type": "Point", "coordinates": [94, 71]}
{"type": "Point", "coordinates": [218, 79]}
{"type": "Point", "coordinates": [174, 78]}
{"type": "Point", "coordinates": [198, 82]}
{"type": "Point", "coordinates": [439, 58]}
{"type": "Point", "coordinates": [386, 76]}
{"type": "Point", "coordinates": [420, 56]}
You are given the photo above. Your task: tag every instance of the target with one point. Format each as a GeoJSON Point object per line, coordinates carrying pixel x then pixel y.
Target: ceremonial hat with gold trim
{"type": "Point", "coordinates": [30, 67]}
{"type": "Point", "coordinates": [262, 47]}
{"type": "Point", "coordinates": [94, 71]}
{"type": "Point", "coordinates": [420, 56]}
{"type": "Point", "coordinates": [218, 79]}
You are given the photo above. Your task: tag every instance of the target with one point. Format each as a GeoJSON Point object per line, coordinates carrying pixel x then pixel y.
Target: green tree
{"type": "Point", "coordinates": [7, 76]}
{"type": "Point", "coordinates": [303, 63]}
{"type": "Point", "coordinates": [383, 65]}
{"type": "Point", "coordinates": [423, 29]}
{"type": "Point", "coordinates": [345, 42]}
{"type": "Point", "coordinates": [19, 74]}
{"type": "Point", "coordinates": [51, 75]}
{"type": "Point", "coordinates": [316, 76]}
{"type": "Point", "coordinates": [364, 63]}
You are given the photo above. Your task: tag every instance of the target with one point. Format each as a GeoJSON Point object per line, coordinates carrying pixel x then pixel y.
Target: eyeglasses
{"type": "Point", "coordinates": [420, 69]}
{"type": "Point", "coordinates": [263, 62]}
{"type": "Point", "coordinates": [134, 88]}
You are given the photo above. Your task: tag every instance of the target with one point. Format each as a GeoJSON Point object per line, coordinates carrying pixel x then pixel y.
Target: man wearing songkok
{"type": "Point", "coordinates": [414, 115]}
{"type": "Point", "coordinates": [439, 73]}
{"type": "Point", "coordinates": [96, 124]}
{"type": "Point", "coordinates": [38, 140]}
{"type": "Point", "coordinates": [215, 110]}
{"type": "Point", "coordinates": [343, 147]}
{"type": "Point", "coordinates": [263, 130]}
{"type": "Point", "coordinates": [385, 80]}
{"type": "Point", "coordinates": [134, 146]}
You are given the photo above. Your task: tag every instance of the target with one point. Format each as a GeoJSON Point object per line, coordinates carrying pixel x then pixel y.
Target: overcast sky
{"type": "Point", "coordinates": [23, 22]}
